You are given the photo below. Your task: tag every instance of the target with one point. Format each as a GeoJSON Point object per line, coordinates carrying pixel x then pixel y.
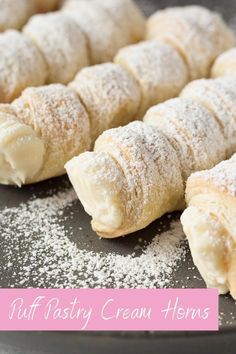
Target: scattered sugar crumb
{"type": "Point", "coordinates": [38, 252]}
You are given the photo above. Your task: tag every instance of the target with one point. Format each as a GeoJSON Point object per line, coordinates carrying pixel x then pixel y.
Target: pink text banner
{"type": "Point", "coordinates": [108, 309]}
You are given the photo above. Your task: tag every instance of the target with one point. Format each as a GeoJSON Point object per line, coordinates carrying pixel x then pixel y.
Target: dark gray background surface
{"type": "Point", "coordinates": [117, 342]}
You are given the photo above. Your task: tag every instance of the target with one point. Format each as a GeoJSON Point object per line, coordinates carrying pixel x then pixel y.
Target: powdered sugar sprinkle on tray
{"type": "Point", "coordinates": [38, 251]}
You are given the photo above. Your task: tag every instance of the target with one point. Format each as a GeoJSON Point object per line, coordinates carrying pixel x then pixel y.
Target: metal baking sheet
{"type": "Point", "coordinates": [142, 342]}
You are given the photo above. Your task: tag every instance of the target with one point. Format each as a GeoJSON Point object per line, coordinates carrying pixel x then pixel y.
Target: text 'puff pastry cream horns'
{"type": "Point", "coordinates": [199, 34]}
{"type": "Point", "coordinates": [210, 224]}
{"type": "Point", "coordinates": [40, 132]}
{"type": "Point", "coordinates": [138, 172]}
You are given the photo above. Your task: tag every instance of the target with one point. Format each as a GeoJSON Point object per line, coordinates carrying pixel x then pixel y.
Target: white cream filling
{"type": "Point", "coordinates": [95, 192]}
{"type": "Point", "coordinates": [208, 243]}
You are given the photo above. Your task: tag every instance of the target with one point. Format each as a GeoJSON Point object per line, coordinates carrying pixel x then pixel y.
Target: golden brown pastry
{"type": "Point", "coordinates": [209, 223]}
{"type": "Point", "coordinates": [62, 43]}
{"type": "Point", "coordinates": [58, 126]}
{"type": "Point", "coordinates": [110, 95]}
{"type": "Point", "coordinates": [199, 34]}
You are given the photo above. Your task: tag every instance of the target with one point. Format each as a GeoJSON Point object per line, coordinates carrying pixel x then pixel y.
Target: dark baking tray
{"type": "Point", "coordinates": [118, 342]}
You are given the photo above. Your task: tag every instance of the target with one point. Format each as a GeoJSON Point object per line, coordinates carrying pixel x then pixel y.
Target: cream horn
{"type": "Point", "coordinates": [54, 47]}
{"type": "Point", "coordinates": [67, 121]}
{"type": "Point", "coordinates": [209, 223]}
{"type": "Point", "coordinates": [40, 132]}
{"type": "Point", "coordinates": [148, 163]}
{"type": "Point", "coordinates": [199, 34]}
{"type": "Point", "coordinates": [45, 5]}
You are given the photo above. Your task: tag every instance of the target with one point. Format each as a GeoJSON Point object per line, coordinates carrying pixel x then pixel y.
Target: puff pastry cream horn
{"type": "Point", "coordinates": [39, 132]}
{"type": "Point", "coordinates": [137, 173]}
{"type": "Point", "coordinates": [63, 44]}
{"type": "Point", "coordinates": [199, 34]}
{"type": "Point", "coordinates": [151, 71]}
{"type": "Point", "coordinates": [67, 126]}
{"type": "Point", "coordinates": [124, 12]}
{"type": "Point", "coordinates": [159, 69]}
{"type": "Point", "coordinates": [209, 223]}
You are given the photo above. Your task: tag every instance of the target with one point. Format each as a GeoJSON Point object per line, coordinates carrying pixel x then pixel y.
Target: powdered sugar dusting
{"type": "Point", "coordinates": [104, 36]}
{"type": "Point", "coordinates": [65, 50]}
{"type": "Point", "coordinates": [159, 69]}
{"type": "Point", "coordinates": [21, 65]}
{"type": "Point", "coordinates": [193, 132]}
{"type": "Point", "coordinates": [110, 94]}
{"type": "Point", "coordinates": [151, 169]}
{"type": "Point", "coordinates": [217, 96]}
{"type": "Point", "coordinates": [38, 252]}
{"type": "Point", "coordinates": [59, 118]}
{"type": "Point", "coordinates": [223, 176]}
